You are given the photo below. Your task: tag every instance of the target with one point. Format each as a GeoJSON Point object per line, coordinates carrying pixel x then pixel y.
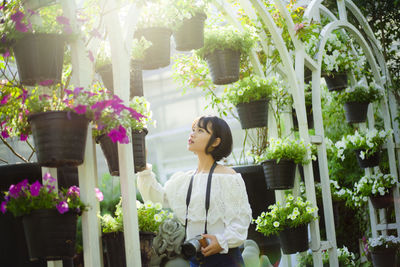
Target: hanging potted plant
{"type": "Point", "coordinates": [289, 221]}
{"type": "Point", "coordinates": [38, 49]}
{"type": "Point", "coordinates": [378, 188]}
{"type": "Point", "coordinates": [150, 217]}
{"type": "Point", "coordinates": [49, 217]}
{"type": "Point", "coordinates": [309, 113]}
{"type": "Point", "coordinates": [383, 250]}
{"type": "Point", "coordinates": [189, 33]}
{"type": "Point", "coordinates": [111, 128]}
{"type": "Point", "coordinates": [223, 49]}
{"type": "Point", "coordinates": [279, 161]}
{"type": "Point", "coordinates": [346, 258]}
{"type": "Point", "coordinates": [356, 101]}
{"type": "Point", "coordinates": [104, 67]}
{"type": "Point", "coordinates": [156, 22]}
{"type": "Point", "coordinates": [250, 96]}
{"type": "Point", "coordinates": [366, 144]}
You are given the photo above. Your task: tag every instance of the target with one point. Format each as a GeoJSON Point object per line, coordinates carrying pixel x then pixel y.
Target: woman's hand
{"type": "Point", "coordinates": [213, 247]}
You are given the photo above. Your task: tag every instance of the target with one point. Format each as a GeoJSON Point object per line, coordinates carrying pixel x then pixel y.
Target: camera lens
{"type": "Point", "coordinates": [188, 250]}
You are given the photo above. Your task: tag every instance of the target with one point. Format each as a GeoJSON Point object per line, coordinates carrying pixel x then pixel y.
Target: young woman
{"type": "Point", "coordinates": [228, 216]}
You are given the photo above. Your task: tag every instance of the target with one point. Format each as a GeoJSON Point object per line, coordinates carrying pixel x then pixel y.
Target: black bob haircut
{"type": "Point", "coordinates": [220, 129]}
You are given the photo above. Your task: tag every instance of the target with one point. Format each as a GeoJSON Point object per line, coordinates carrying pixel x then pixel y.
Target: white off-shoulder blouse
{"type": "Point", "coordinates": [229, 214]}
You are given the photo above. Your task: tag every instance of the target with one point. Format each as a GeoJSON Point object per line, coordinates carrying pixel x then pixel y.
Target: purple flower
{"type": "Point", "coordinates": [90, 56]}
{"type": "Point", "coordinates": [119, 135]}
{"type": "Point", "coordinates": [99, 194]}
{"type": "Point", "coordinates": [62, 20]}
{"type": "Point", "coordinates": [14, 190]}
{"type": "Point", "coordinates": [21, 27]}
{"type": "Point", "coordinates": [17, 16]}
{"type": "Point", "coordinates": [95, 33]}
{"type": "Point", "coordinates": [3, 207]}
{"type": "Point", "coordinates": [80, 109]}
{"type": "Point", "coordinates": [1, 7]}
{"type": "Point", "coordinates": [6, 54]}
{"type": "Point", "coordinates": [35, 188]}
{"type": "Point", "coordinates": [46, 82]}
{"type": "Point", "coordinates": [5, 98]}
{"type": "Point", "coordinates": [48, 179]}
{"type": "Point", "coordinates": [74, 190]}
{"type": "Point", "coordinates": [62, 207]}
{"type": "Point", "coordinates": [32, 12]}
{"type": "Point", "coordinates": [77, 90]}
{"type": "Point", "coordinates": [23, 137]}
{"type": "Point", "coordinates": [5, 134]}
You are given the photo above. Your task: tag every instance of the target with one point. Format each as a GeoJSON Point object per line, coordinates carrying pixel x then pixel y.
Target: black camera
{"type": "Point", "coordinates": [193, 245]}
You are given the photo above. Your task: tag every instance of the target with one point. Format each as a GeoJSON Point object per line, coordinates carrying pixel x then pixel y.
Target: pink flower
{"type": "Point", "coordinates": [21, 27]}
{"type": "Point", "coordinates": [119, 135]}
{"type": "Point", "coordinates": [35, 188]}
{"type": "Point", "coordinates": [46, 82]}
{"type": "Point", "coordinates": [74, 190]}
{"type": "Point", "coordinates": [99, 194]}
{"type": "Point", "coordinates": [90, 55]}
{"type": "Point", "coordinates": [62, 20]}
{"type": "Point", "coordinates": [62, 207]}
{"type": "Point", "coordinates": [5, 98]}
{"type": "Point", "coordinates": [48, 179]}
{"type": "Point", "coordinates": [6, 54]}
{"type": "Point", "coordinates": [80, 109]}
{"type": "Point", "coordinates": [298, 27]}
{"type": "Point", "coordinates": [17, 16]}
{"type": "Point", "coordinates": [67, 29]}
{"type": "Point", "coordinates": [3, 207]}
{"type": "Point", "coordinates": [5, 134]}
{"type": "Point", "coordinates": [95, 33]}
{"type": "Point", "coordinates": [77, 90]}
{"type": "Point", "coordinates": [23, 137]}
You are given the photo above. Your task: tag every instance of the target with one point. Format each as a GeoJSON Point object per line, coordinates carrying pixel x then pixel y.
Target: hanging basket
{"type": "Point", "coordinates": [13, 250]}
{"type": "Point", "coordinates": [114, 246]}
{"type": "Point", "coordinates": [39, 58]}
{"type": "Point", "coordinates": [279, 175]}
{"type": "Point", "coordinates": [50, 235]}
{"type": "Point", "coordinates": [356, 112]}
{"type": "Point", "coordinates": [259, 198]}
{"type": "Point", "coordinates": [190, 35]}
{"type": "Point", "coordinates": [316, 173]}
{"type": "Point", "coordinates": [294, 239]}
{"type": "Point", "coordinates": [253, 114]}
{"type": "Point", "coordinates": [106, 76]}
{"type": "Point", "coordinates": [136, 78]}
{"type": "Point", "coordinates": [368, 162]}
{"type": "Point", "coordinates": [158, 54]}
{"type": "Point", "coordinates": [224, 66]}
{"type": "Point", "coordinates": [110, 150]}
{"type": "Point", "coordinates": [67, 176]}
{"type": "Point", "coordinates": [59, 137]}
{"type": "Point", "coordinates": [381, 202]}
{"type": "Point", "coordinates": [384, 257]}
{"type": "Point", "coordinates": [336, 81]}
{"type": "Point", "coordinates": [146, 247]}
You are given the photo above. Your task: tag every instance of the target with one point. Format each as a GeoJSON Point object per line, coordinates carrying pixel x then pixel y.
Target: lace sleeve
{"type": "Point", "coordinates": [237, 212]}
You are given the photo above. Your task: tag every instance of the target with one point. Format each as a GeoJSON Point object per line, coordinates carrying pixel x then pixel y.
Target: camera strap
{"type": "Point", "coordinates": [208, 193]}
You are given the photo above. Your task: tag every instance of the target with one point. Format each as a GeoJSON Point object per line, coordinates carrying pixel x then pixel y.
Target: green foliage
{"type": "Point", "coordinates": [294, 213]}
{"type": "Point", "coordinates": [139, 48]}
{"type": "Point", "coordinates": [251, 88]}
{"type": "Point", "coordinates": [159, 14]}
{"type": "Point", "coordinates": [189, 8]}
{"type": "Point", "coordinates": [150, 216]}
{"type": "Point", "coordinates": [227, 37]}
{"type": "Point", "coordinates": [345, 257]}
{"type": "Point", "coordinates": [289, 149]}
{"type": "Point", "coordinates": [377, 184]}
{"type": "Point", "coordinates": [360, 94]}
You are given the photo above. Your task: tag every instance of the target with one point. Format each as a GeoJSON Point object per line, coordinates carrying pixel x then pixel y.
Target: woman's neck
{"type": "Point", "coordinates": [204, 163]}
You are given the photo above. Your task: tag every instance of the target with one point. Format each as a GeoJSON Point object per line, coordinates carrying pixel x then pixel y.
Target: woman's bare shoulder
{"type": "Point", "coordinates": [224, 170]}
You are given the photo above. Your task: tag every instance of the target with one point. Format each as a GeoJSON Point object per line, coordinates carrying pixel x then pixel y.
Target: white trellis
{"type": "Point", "coordinates": [120, 43]}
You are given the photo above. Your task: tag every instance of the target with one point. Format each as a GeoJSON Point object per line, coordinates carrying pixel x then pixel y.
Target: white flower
{"type": "Point", "coordinates": [158, 206]}
{"type": "Point", "coordinates": [157, 218]}
{"type": "Point", "coordinates": [276, 224]}
{"type": "Point", "coordinates": [362, 154]}
{"type": "Point", "coordinates": [148, 204]}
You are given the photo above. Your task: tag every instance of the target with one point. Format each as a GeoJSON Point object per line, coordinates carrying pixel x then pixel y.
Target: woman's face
{"type": "Point", "coordinates": [198, 139]}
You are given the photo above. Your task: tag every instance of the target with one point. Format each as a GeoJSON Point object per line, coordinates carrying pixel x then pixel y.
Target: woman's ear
{"type": "Point", "coordinates": [216, 142]}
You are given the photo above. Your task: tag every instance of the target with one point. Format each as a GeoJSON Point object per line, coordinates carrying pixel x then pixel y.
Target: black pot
{"type": "Point", "coordinates": [110, 150]}
{"type": "Point", "coordinates": [384, 258]}
{"type": "Point", "coordinates": [50, 235]}
{"type": "Point", "coordinates": [253, 114]}
{"type": "Point", "coordinates": [39, 57]}
{"type": "Point", "coordinates": [190, 35]}
{"type": "Point", "coordinates": [336, 81]}
{"type": "Point", "coordinates": [13, 249]}
{"type": "Point", "coordinates": [310, 118]}
{"type": "Point", "coordinates": [294, 239]}
{"type": "Point", "coordinates": [114, 246]}
{"type": "Point", "coordinates": [59, 137]}
{"type": "Point", "coordinates": [158, 54]}
{"type": "Point", "coordinates": [279, 175]}
{"type": "Point", "coordinates": [146, 247]}
{"type": "Point", "coordinates": [381, 202]}
{"type": "Point", "coordinates": [136, 78]}
{"type": "Point", "coordinates": [316, 173]}
{"type": "Point", "coordinates": [259, 198]}
{"type": "Point", "coordinates": [67, 176]}
{"type": "Point", "coordinates": [356, 112]}
{"type": "Point", "coordinates": [224, 66]}
{"type": "Point", "coordinates": [368, 162]}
